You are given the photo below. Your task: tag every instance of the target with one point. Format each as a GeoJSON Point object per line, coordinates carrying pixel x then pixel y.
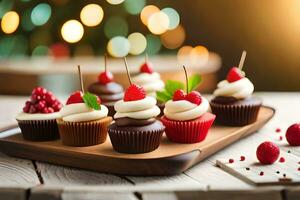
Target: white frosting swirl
{"type": "Point", "coordinates": [240, 89]}
{"type": "Point", "coordinates": [37, 116]}
{"type": "Point", "coordinates": [141, 109]}
{"type": "Point", "coordinates": [184, 110]}
{"type": "Point", "coordinates": [80, 112]}
{"type": "Point", "coordinates": [150, 82]}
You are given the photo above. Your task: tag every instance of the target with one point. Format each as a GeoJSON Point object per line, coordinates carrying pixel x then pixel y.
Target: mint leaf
{"type": "Point", "coordinates": [194, 82]}
{"type": "Point", "coordinates": [91, 101]}
{"type": "Point", "coordinates": [163, 96]}
{"type": "Point", "coordinates": [171, 86]}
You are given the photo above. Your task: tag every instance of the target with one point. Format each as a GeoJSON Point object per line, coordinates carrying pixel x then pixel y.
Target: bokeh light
{"type": "Point", "coordinates": [40, 14]}
{"type": "Point", "coordinates": [26, 22]}
{"type": "Point", "coordinates": [13, 45]}
{"type": "Point", "coordinates": [199, 56]}
{"type": "Point", "coordinates": [138, 43]}
{"type": "Point", "coordinates": [115, 26]}
{"type": "Point", "coordinates": [40, 50]}
{"type": "Point", "coordinates": [10, 22]}
{"type": "Point", "coordinates": [118, 46]}
{"type": "Point", "coordinates": [59, 50]}
{"type": "Point", "coordinates": [5, 6]}
{"type": "Point", "coordinates": [134, 7]}
{"type": "Point", "coordinates": [173, 39]}
{"type": "Point", "coordinates": [91, 15]}
{"type": "Point", "coordinates": [72, 31]}
{"type": "Point", "coordinates": [115, 2]}
{"type": "Point", "coordinates": [173, 17]}
{"type": "Point", "coordinates": [184, 55]}
{"type": "Point", "coordinates": [147, 12]}
{"type": "Point", "coordinates": [153, 44]}
{"type": "Point", "coordinates": [158, 23]}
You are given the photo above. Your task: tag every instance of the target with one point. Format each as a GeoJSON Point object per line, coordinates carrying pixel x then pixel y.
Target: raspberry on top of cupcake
{"type": "Point", "coordinates": [149, 79]}
{"type": "Point", "coordinates": [109, 91]}
{"type": "Point", "coordinates": [42, 105]}
{"type": "Point", "coordinates": [186, 116]}
{"type": "Point", "coordinates": [234, 104]}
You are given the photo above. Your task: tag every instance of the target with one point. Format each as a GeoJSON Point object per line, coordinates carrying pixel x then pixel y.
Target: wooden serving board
{"type": "Point", "coordinates": [170, 158]}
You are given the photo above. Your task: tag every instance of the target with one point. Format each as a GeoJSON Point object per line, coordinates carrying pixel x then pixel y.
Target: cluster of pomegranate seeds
{"type": "Point", "coordinates": [42, 101]}
{"type": "Point", "coordinates": [193, 97]}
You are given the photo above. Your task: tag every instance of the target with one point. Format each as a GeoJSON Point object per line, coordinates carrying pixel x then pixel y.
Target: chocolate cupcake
{"type": "Point", "coordinates": [109, 92]}
{"type": "Point", "coordinates": [38, 119]}
{"type": "Point", "coordinates": [233, 103]}
{"type": "Point", "coordinates": [84, 121]}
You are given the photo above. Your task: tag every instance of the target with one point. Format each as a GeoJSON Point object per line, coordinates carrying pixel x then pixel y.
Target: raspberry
{"type": "Point", "coordinates": [194, 97]}
{"type": "Point", "coordinates": [234, 75]}
{"type": "Point", "coordinates": [76, 97]}
{"type": "Point", "coordinates": [105, 77]}
{"type": "Point", "coordinates": [267, 152]}
{"type": "Point", "coordinates": [179, 95]}
{"type": "Point", "coordinates": [146, 68]}
{"type": "Point", "coordinates": [293, 135]}
{"type": "Point", "coordinates": [134, 92]}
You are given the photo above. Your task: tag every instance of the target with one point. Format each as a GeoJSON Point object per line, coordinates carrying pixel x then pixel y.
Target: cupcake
{"type": "Point", "coordinates": [233, 103]}
{"type": "Point", "coordinates": [136, 129]}
{"type": "Point", "coordinates": [148, 79]}
{"type": "Point", "coordinates": [38, 119]}
{"type": "Point", "coordinates": [83, 121]}
{"type": "Point", "coordinates": [186, 116]}
{"type": "Point", "coordinates": [109, 92]}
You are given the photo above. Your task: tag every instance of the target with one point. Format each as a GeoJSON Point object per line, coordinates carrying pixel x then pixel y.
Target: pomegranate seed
{"type": "Point", "coordinates": [298, 168]}
{"type": "Point", "coordinates": [50, 110]}
{"type": "Point", "coordinates": [280, 138]}
{"type": "Point", "coordinates": [261, 173]}
{"type": "Point", "coordinates": [278, 130]}
{"type": "Point", "coordinates": [282, 160]}
{"type": "Point", "coordinates": [242, 158]}
{"type": "Point", "coordinates": [32, 109]}
{"type": "Point", "coordinates": [231, 160]}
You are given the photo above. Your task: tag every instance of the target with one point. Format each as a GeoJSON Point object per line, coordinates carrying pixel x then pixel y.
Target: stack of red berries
{"type": "Point", "coordinates": [42, 101]}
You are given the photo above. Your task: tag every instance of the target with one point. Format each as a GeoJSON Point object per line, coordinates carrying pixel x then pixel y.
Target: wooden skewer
{"type": "Point", "coordinates": [80, 79]}
{"type": "Point", "coordinates": [186, 79]}
{"type": "Point", "coordinates": [127, 70]}
{"type": "Point", "coordinates": [105, 62]}
{"type": "Point", "coordinates": [242, 60]}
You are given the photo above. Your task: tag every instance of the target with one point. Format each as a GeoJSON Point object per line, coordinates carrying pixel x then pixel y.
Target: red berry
{"type": "Point", "coordinates": [293, 135]}
{"type": "Point", "coordinates": [105, 77]}
{"type": "Point", "coordinates": [35, 98]}
{"type": "Point", "coordinates": [280, 138]}
{"type": "Point", "coordinates": [50, 98]}
{"type": "Point", "coordinates": [267, 152]}
{"type": "Point", "coordinates": [194, 97]}
{"type": "Point", "coordinates": [39, 91]}
{"type": "Point", "coordinates": [242, 158]}
{"type": "Point", "coordinates": [234, 74]}
{"type": "Point", "coordinates": [40, 105]}
{"type": "Point", "coordinates": [146, 68]}
{"type": "Point", "coordinates": [50, 110]}
{"type": "Point", "coordinates": [32, 109]}
{"type": "Point", "coordinates": [231, 160]}
{"type": "Point", "coordinates": [179, 95]}
{"type": "Point", "coordinates": [57, 106]}
{"type": "Point", "coordinates": [278, 130]}
{"type": "Point", "coordinates": [134, 92]}
{"type": "Point", "coordinates": [282, 159]}
{"type": "Point", "coordinates": [45, 110]}
{"type": "Point", "coordinates": [76, 97]}
{"type": "Point", "coordinates": [298, 168]}
{"type": "Point", "coordinates": [261, 173]}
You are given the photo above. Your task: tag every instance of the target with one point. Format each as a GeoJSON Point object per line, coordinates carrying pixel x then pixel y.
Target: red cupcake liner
{"type": "Point", "coordinates": [83, 133]}
{"type": "Point", "coordinates": [39, 130]}
{"type": "Point", "coordinates": [235, 115]}
{"type": "Point", "coordinates": [192, 131]}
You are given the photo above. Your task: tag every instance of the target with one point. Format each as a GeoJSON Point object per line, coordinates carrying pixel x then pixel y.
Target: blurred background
{"type": "Point", "coordinates": [42, 41]}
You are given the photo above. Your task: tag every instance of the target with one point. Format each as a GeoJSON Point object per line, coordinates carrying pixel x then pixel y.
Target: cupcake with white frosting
{"type": "Point", "coordinates": [149, 79]}
{"type": "Point", "coordinates": [37, 121]}
{"type": "Point", "coordinates": [234, 104]}
{"type": "Point", "coordinates": [186, 117]}
{"type": "Point", "coordinates": [83, 121]}
{"type": "Point", "coordinates": [136, 129]}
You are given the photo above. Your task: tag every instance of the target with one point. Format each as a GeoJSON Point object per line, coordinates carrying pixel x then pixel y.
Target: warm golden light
{"type": "Point", "coordinates": [72, 31]}
{"type": "Point", "coordinates": [115, 2]}
{"type": "Point", "coordinates": [91, 15]}
{"type": "Point", "coordinates": [138, 43]}
{"type": "Point", "coordinates": [174, 38]}
{"type": "Point", "coordinates": [147, 12]}
{"type": "Point", "coordinates": [158, 23]}
{"type": "Point", "coordinates": [183, 55]}
{"type": "Point", "coordinates": [10, 22]}
{"type": "Point", "coordinates": [199, 56]}
{"type": "Point", "coordinates": [118, 46]}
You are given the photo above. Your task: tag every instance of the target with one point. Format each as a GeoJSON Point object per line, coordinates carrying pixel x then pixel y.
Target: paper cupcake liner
{"type": "Point", "coordinates": [235, 115]}
{"type": "Point", "coordinates": [83, 133]}
{"type": "Point", "coordinates": [39, 130]}
{"type": "Point", "coordinates": [111, 110]}
{"type": "Point", "coordinates": [133, 142]}
{"type": "Point", "coordinates": [188, 131]}
{"type": "Point", "coordinates": [161, 107]}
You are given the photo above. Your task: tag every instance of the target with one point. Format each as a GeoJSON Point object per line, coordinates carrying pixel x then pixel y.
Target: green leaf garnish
{"type": "Point", "coordinates": [171, 86]}
{"type": "Point", "coordinates": [91, 101]}
{"type": "Point", "coordinates": [163, 96]}
{"type": "Point", "coordinates": [194, 82]}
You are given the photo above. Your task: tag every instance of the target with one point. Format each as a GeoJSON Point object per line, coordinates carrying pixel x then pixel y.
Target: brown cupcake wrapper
{"type": "Point", "coordinates": [39, 130]}
{"type": "Point", "coordinates": [235, 115]}
{"type": "Point", "coordinates": [83, 133]}
{"type": "Point", "coordinates": [134, 142]}
{"type": "Point", "coordinates": [111, 110]}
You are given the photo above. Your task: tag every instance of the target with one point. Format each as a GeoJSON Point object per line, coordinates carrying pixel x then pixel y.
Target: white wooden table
{"type": "Point", "coordinates": [26, 179]}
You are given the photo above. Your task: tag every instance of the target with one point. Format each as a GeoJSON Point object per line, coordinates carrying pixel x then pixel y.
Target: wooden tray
{"type": "Point", "coordinates": [170, 158]}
